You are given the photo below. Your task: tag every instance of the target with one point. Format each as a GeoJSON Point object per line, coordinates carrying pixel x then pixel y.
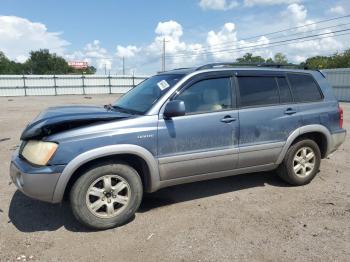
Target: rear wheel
{"type": "Point", "coordinates": [106, 196]}
{"type": "Point", "coordinates": [301, 163]}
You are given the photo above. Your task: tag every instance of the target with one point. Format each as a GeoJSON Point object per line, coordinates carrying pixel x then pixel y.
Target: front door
{"type": "Point", "coordinates": [205, 140]}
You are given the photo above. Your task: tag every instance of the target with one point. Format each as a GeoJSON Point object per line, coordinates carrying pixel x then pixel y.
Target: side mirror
{"type": "Point", "coordinates": [174, 108]}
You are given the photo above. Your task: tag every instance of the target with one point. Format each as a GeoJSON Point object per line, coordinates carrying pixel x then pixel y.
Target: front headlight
{"type": "Point", "coordinates": [39, 152]}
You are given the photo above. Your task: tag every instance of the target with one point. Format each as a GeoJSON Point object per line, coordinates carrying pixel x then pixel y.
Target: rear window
{"type": "Point", "coordinates": [285, 93]}
{"type": "Point", "coordinates": [304, 88]}
{"type": "Point", "coordinates": [255, 91]}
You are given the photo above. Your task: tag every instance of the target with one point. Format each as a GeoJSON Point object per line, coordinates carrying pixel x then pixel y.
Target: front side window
{"type": "Point", "coordinates": [304, 88]}
{"type": "Point", "coordinates": [208, 95]}
{"type": "Point", "coordinates": [141, 98]}
{"type": "Point", "coordinates": [256, 90]}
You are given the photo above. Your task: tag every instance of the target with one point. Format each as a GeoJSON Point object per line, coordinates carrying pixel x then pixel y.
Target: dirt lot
{"type": "Point", "coordinates": [253, 217]}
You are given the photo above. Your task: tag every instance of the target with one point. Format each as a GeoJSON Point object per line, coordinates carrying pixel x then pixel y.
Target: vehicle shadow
{"type": "Point", "coordinates": [29, 215]}
{"type": "Point", "coordinates": [208, 188]}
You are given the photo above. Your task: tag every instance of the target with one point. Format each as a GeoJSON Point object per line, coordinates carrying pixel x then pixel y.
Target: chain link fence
{"type": "Point", "coordinates": [36, 85]}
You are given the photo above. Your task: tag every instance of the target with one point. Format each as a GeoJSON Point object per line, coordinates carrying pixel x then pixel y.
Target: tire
{"type": "Point", "coordinates": [294, 174]}
{"type": "Point", "coordinates": [107, 195]}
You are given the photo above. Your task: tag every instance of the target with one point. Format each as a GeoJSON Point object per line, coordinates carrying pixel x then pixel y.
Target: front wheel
{"type": "Point", "coordinates": [301, 163]}
{"type": "Point", "coordinates": [106, 195]}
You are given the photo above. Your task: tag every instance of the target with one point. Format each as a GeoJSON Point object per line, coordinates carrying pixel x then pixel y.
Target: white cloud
{"type": "Point", "coordinates": [170, 31]}
{"type": "Point", "coordinates": [223, 44]}
{"type": "Point", "coordinates": [215, 40]}
{"type": "Point", "coordinates": [170, 28]}
{"type": "Point", "coordinates": [226, 39]}
{"type": "Point", "coordinates": [269, 2]}
{"type": "Point", "coordinates": [218, 4]}
{"type": "Point", "coordinates": [297, 15]}
{"type": "Point", "coordinates": [127, 52]}
{"type": "Point", "coordinates": [19, 36]}
{"type": "Point", "coordinates": [94, 54]}
{"type": "Point", "coordinates": [337, 10]}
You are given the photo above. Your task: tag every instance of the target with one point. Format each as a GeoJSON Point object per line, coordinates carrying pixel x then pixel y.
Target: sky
{"type": "Point", "coordinates": [195, 31]}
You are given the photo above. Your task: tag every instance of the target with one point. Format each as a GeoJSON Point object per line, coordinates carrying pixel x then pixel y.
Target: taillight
{"type": "Point", "coordinates": [341, 113]}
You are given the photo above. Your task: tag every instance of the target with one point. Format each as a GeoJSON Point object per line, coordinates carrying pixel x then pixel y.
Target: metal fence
{"type": "Point", "coordinates": [340, 81]}
{"type": "Point", "coordinates": [30, 85]}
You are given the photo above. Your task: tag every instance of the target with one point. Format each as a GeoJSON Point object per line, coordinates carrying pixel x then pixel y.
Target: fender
{"type": "Point", "coordinates": [87, 156]}
{"type": "Point", "coordinates": [304, 130]}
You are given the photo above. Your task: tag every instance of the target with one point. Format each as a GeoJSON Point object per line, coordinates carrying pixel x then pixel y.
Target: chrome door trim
{"type": "Point", "coordinates": [195, 178]}
{"type": "Point", "coordinates": [197, 155]}
{"type": "Point", "coordinates": [259, 147]}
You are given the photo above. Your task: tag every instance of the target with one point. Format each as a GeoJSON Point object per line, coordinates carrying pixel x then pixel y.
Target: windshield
{"type": "Point", "coordinates": [144, 95]}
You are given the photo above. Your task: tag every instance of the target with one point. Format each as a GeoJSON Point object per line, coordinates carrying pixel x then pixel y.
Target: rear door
{"type": "Point", "coordinates": [268, 115]}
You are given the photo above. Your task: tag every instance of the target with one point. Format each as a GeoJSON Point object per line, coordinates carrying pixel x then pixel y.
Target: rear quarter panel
{"type": "Point", "coordinates": [324, 112]}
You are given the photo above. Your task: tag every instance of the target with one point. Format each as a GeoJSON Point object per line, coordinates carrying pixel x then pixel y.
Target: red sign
{"type": "Point", "coordinates": [78, 64]}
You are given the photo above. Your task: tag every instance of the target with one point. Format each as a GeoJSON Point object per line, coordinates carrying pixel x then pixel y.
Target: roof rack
{"type": "Point", "coordinates": [230, 65]}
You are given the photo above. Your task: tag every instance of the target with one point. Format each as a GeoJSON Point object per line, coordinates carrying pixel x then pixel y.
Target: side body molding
{"type": "Point", "coordinates": [85, 157]}
{"type": "Point", "coordinates": [303, 130]}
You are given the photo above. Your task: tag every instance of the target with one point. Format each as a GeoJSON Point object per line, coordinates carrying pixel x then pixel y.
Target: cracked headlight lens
{"type": "Point", "coordinates": [39, 152]}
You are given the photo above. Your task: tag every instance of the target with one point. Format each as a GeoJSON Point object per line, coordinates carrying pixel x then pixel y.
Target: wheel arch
{"type": "Point", "coordinates": [138, 157]}
{"type": "Point", "coordinates": [320, 134]}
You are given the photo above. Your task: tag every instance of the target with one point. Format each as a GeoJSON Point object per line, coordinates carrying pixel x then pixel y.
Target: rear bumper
{"type": "Point", "coordinates": [338, 138]}
{"type": "Point", "coordinates": [35, 182]}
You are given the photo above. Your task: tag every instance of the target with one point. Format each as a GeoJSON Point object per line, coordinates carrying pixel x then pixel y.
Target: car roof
{"type": "Point", "coordinates": [180, 71]}
{"type": "Point", "coordinates": [186, 71]}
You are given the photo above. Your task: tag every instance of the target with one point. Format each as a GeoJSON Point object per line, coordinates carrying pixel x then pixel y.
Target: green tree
{"type": "Point", "coordinates": [337, 60]}
{"type": "Point", "coordinates": [269, 60]}
{"type": "Point", "coordinates": [340, 60]}
{"type": "Point", "coordinates": [9, 67]}
{"type": "Point", "coordinates": [249, 58]}
{"type": "Point", "coordinates": [317, 62]}
{"type": "Point", "coordinates": [280, 58]}
{"type": "Point", "coordinates": [42, 63]}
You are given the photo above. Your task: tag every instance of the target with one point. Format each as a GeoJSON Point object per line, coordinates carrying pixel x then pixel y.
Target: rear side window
{"type": "Point", "coordinates": [304, 88]}
{"type": "Point", "coordinates": [285, 94]}
{"type": "Point", "coordinates": [257, 91]}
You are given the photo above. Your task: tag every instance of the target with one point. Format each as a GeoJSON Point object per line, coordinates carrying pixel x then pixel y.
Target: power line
{"type": "Point", "coordinates": [253, 46]}
{"type": "Point", "coordinates": [284, 36]}
{"type": "Point", "coordinates": [210, 48]}
{"type": "Point", "coordinates": [215, 60]}
{"type": "Point", "coordinates": [212, 60]}
{"type": "Point", "coordinates": [292, 28]}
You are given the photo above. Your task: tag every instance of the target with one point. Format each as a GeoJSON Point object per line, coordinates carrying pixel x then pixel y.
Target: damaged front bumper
{"type": "Point", "coordinates": [37, 182]}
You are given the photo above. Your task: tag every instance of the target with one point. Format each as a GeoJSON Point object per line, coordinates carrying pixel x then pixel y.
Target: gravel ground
{"type": "Point", "coordinates": [253, 217]}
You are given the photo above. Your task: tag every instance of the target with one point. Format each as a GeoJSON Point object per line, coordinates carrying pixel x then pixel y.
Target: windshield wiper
{"type": "Point", "coordinates": [108, 107]}
{"type": "Point", "coordinates": [127, 110]}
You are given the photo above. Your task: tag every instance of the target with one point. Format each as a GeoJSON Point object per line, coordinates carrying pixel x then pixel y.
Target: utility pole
{"type": "Point", "coordinates": [163, 56]}
{"type": "Point", "coordinates": [105, 69]}
{"type": "Point", "coordinates": [123, 66]}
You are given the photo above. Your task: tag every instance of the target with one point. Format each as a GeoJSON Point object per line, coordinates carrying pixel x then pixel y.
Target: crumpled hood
{"type": "Point", "coordinates": [57, 119]}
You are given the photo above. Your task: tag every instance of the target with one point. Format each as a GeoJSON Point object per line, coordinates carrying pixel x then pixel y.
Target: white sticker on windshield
{"type": "Point", "coordinates": [163, 85]}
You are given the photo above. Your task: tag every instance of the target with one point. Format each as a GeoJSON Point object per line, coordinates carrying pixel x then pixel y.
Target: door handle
{"type": "Point", "coordinates": [290, 111]}
{"type": "Point", "coordinates": [228, 119]}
